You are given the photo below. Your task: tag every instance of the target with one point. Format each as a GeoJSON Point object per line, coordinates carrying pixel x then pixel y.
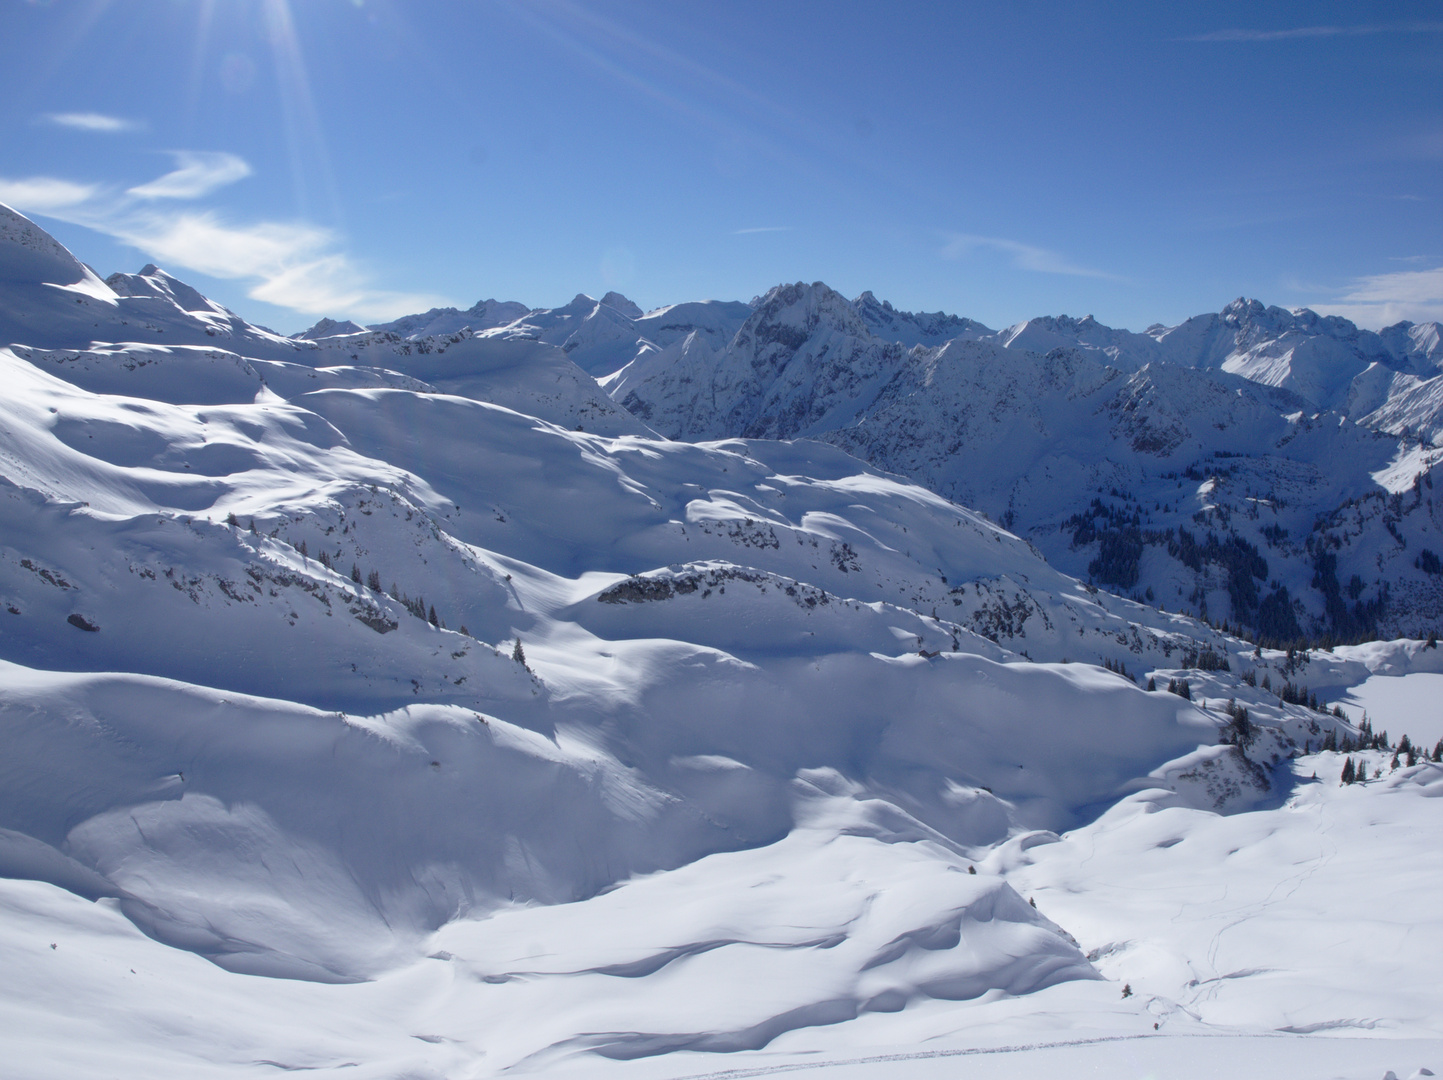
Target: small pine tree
{"type": "Point", "coordinates": [1151, 684]}
{"type": "Point", "coordinates": [355, 573]}
{"type": "Point", "coordinates": [1348, 772]}
{"type": "Point", "coordinates": [230, 520]}
{"type": "Point", "coordinates": [1432, 642]}
{"type": "Point", "coordinates": [519, 654]}
{"type": "Point", "coordinates": [1184, 690]}
{"type": "Point", "coordinates": [431, 617]}
{"type": "Point", "coordinates": [253, 526]}
{"type": "Point", "coordinates": [301, 547]}
{"type": "Point", "coordinates": [1127, 990]}
{"type": "Point", "coordinates": [373, 581]}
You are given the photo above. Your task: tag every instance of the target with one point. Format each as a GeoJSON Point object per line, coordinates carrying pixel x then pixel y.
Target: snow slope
{"type": "Point", "coordinates": [1117, 460]}
{"type": "Point", "coordinates": [371, 718]}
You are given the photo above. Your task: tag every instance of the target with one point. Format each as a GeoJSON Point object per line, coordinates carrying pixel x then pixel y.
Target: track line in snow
{"type": "Point", "coordinates": [924, 1055]}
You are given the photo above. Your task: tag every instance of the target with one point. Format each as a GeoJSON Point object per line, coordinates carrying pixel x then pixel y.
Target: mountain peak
{"type": "Point", "coordinates": [329, 328]}
{"type": "Point", "coordinates": [28, 253]}
{"type": "Point", "coordinates": [620, 303]}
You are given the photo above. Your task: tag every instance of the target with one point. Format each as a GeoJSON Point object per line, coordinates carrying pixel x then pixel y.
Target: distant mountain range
{"type": "Point", "coordinates": [1268, 469]}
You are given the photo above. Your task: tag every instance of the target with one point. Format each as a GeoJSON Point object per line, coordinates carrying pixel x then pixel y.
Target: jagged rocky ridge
{"type": "Point", "coordinates": [1187, 466]}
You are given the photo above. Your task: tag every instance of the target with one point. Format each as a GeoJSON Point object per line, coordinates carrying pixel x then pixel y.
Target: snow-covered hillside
{"type": "Point", "coordinates": [401, 706]}
{"type": "Point", "coordinates": [1198, 481]}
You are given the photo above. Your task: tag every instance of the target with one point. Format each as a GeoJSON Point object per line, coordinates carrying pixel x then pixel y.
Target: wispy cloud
{"type": "Point", "coordinates": [1023, 256]}
{"type": "Point", "coordinates": [294, 265]}
{"type": "Point", "coordinates": [762, 229]}
{"type": "Point", "coordinates": [1383, 299]}
{"type": "Point", "coordinates": [196, 173]}
{"type": "Point", "coordinates": [1296, 32]}
{"type": "Point", "coordinates": [43, 194]}
{"type": "Point", "coordinates": [91, 121]}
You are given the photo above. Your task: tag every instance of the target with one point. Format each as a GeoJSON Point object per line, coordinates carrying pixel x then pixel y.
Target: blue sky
{"type": "Point", "coordinates": [366, 158]}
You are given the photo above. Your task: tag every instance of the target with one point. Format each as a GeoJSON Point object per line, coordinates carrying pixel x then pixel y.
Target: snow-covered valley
{"type": "Point", "coordinates": [403, 702]}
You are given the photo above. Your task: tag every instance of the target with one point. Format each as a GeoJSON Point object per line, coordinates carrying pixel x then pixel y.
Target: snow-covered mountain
{"type": "Point", "coordinates": [1182, 480]}
{"type": "Point", "coordinates": [370, 718]}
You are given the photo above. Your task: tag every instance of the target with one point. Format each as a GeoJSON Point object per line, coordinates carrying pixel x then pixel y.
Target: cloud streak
{"type": "Point", "coordinates": [1298, 32]}
{"type": "Point", "coordinates": [1380, 300]}
{"type": "Point", "coordinates": [196, 174]}
{"type": "Point", "coordinates": [294, 265]}
{"type": "Point", "coordinates": [90, 121]}
{"type": "Point", "coordinates": [44, 194]}
{"type": "Point", "coordinates": [1023, 256]}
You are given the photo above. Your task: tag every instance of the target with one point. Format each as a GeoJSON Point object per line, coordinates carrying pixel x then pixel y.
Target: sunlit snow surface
{"type": "Point", "coordinates": [803, 767]}
{"type": "Point", "coordinates": [1411, 703]}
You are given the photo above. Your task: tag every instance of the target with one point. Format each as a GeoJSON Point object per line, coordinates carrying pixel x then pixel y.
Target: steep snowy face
{"type": "Point", "coordinates": [329, 328]}
{"type": "Point", "coordinates": [717, 321]}
{"type": "Point", "coordinates": [1320, 358]}
{"type": "Point", "coordinates": [804, 361]}
{"type": "Point", "coordinates": [50, 300]}
{"type": "Point", "coordinates": [1121, 349]}
{"type": "Point", "coordinates": [1418, 346]}
{"type": "Point", "coordinates": [483, 315]}
{"type": "Point", "coordinates": [621, 305]}
{"type": "Point", "coordinates": [1314, 356]}
{"type": "Point", "coordinates": [29, 255]}
{"type": "Point", "coordinates": [597, 336]}
{"type": "Point", "coordinates": [915, 328]}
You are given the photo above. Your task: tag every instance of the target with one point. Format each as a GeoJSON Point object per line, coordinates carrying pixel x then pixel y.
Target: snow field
{"type": "Point", "coordinates": [280, 796]}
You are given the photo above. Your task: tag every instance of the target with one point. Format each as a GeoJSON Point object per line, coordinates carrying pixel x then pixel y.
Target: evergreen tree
{"type": "Point", "coordinates": [431, 618]}
{"type": "Point", "coordinates": [519, 654]}
{"type": "Point", "coordinates": [1151, 684]}
{"type": "Point", "coordinates": [373, 581]}
{"type": "Point", "coordinates": [1348, 771]}
{"type": "Point", "coordinates": [355, 573]}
